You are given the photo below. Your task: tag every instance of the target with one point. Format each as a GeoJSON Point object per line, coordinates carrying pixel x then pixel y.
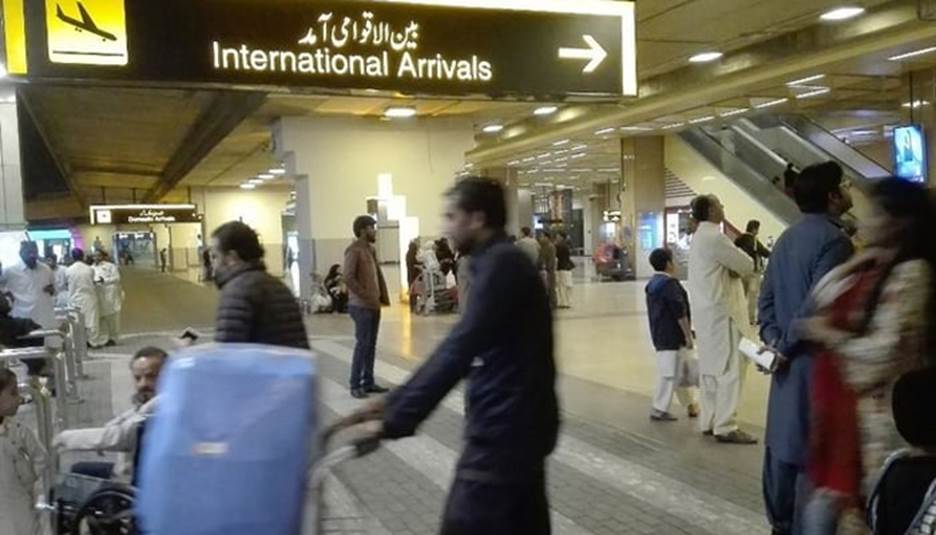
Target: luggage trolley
{"type": "Point", "coordinates": [214, 448]}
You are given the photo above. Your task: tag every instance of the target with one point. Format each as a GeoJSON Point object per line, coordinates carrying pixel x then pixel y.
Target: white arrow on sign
{"type": "Point", "coordinates": [595, 53]}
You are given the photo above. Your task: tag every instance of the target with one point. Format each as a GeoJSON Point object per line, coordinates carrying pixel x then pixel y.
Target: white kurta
{"type": "Point", "coordinates": [61, 287]}
{"type": "Point", "coordinates": [28, 289]}
{"type": "Point", "coordinates": [110, 294]}
{"type": "Point", "coordinates": [22, 460]}
{"type": "Point", "coordinates": [82, 293]}
{"type": "Point", "coordinates": [717, 297]}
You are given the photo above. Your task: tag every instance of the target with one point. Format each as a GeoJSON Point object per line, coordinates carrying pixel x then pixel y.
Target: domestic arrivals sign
{"type": "Point", "coordinates": [497, 48]}
{"type": "Point", "coordinates": [144, 214]}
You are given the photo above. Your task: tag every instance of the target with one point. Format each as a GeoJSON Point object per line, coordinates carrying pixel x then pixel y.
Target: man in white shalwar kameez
{"type": "Point", "coordinates": [83, 295]}
{"type": "Point", "coordinates": [110, 297]}
{"type": "Point", "coordinates": [719, 312]}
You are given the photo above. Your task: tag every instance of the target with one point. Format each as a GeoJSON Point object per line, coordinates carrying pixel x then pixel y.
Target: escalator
{"type": "Point", "coordinates": [801, 141]}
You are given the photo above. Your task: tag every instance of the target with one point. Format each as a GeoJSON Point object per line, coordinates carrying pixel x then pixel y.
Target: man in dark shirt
{"type": "Point", "coordinates": [749, 243]}
{"type": "Point", "coordinates": [503, 345]}
{"type": "Point", "coordinates": [564, 269]}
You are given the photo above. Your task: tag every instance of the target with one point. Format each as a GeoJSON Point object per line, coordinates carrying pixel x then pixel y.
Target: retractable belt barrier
{"type": "Point", "coordinates": [77, 339]}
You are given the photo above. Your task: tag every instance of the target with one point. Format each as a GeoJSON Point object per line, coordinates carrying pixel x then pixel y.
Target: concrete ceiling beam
{"type": "Point", "coordinates": [226, 111]}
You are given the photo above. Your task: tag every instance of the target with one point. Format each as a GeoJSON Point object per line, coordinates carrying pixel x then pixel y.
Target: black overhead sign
{"type": "Point", "coordinates": [498, 48]}
{"type": "Point", "coordinates": [144, 214]}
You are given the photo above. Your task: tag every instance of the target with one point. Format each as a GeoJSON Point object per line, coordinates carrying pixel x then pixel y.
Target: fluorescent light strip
{"type": "Point", "coordinates": [545, 110]}
{"type": "Point", "coordinates": [529, 159]}
{"type": "Point", "coordinates": [514, 162]}
{"type": "Point", "coordinates": [771, 103]}
{"type": "Point", "coordinates": [673, 125]}
{"type": "Point", "coordinates": [492, 128]}
{"type": "Point", "coordinates": [561, 142]}
{"type": "Point", "coordinates": [544, 155]}
{"type": "Point", "coordinates": [732, 113]}
{"type": "Point", "coordinates": [807, 79]}
{"type": "Point", "coordinates": [605, 131]}
{"type": "Point", "coordinates": [913, 54]}
{"type": "Point", "coordinates": [579, 155]}
{"type": "Point", "coordinates": [636, 128]}
{"type": "Point", "coordinates": [705, 57]}
{"type": "Point", "coordinates": [580, 147]}
{"type": "Point", "coordinates": [278, 171]}
{"type": "Point", "coordinates": [815, 93]}
{"type": "Point", "coordinates": [842, 13]}
{"type": "Point", "coordinates": [705, 119]}
{"type": "Point", "coordinates": [915, 104]}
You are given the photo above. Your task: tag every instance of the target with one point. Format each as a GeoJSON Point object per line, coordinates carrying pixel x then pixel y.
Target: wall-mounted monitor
{"type": "Point", "coordinates": [910, 153]}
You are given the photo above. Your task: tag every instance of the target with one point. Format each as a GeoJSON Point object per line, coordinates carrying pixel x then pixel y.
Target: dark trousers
{"type": "Point", "coordinates": [786, 493]}
{"type": "Point", "coordinates": [496, 509]}
{"type": "Point", "coordinates": [92, 469]}
{"type": "Point", "coordinates": [366, 327]}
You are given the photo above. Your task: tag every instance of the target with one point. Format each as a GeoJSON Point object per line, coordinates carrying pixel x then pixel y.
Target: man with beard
{"type": "Point", "coordinates": [255, 307]}
{"type": "Point", "coordinates": [120, 434]}
{"type": "Point", "coordinates": [503, 346]}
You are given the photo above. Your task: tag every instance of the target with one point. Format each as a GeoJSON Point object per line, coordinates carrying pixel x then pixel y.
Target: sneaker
{"type": "Point", "coordinates": [693, 411]}
{"type": "Point", "coordinates": [661, 416]}
{"type": "Point", "coordinates": [736, 437]}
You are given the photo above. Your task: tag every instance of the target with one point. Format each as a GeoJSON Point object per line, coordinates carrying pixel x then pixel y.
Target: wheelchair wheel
{"type": "Point", "coordinates": [107, 512]}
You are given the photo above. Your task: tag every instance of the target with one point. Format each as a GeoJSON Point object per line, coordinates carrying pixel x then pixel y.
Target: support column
{"type": "Point", "coordinates": [643, 198]}
{"type": "Point", "coordinates": [519, 201]}
{"type": "Point", "coordinates": [343, 163]}
{"type": "Point", "coordinates": [924, 94]}
{"type": "Point", "coordinates": [12, 215]}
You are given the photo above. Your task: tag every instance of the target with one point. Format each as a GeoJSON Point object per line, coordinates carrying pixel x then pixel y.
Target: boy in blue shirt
{"type": "Point", "coordinates": [670, 328]}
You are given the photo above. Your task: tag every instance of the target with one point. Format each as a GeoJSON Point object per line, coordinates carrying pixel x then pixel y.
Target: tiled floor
{"type": "Point", "coordinates": [614, 471]}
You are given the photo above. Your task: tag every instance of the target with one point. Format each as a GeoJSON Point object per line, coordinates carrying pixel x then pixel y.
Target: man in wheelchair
{"type": "Point", "coordinates": [97, 497]}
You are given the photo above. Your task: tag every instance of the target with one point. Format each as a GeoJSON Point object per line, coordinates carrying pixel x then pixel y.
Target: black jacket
{"type": "Point", "coordinates": [754, 248]}
{"type": "Point", "coordinates": [564, 257]}
{"type": "Point", "coordinates": [667, 303]}
{"type": "Point", "coordinates": [503, 345]}
{"type": "Point", "coordinates": [257, 308]}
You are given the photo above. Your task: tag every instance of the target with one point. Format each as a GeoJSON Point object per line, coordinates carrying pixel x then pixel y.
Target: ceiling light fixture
{"type": "Point", "coordinates": [673, 125]}
{"type": "Point", "coordinates": [732, 113]}
{"type": "Point", "coordinates": [770, 103]}
{"type": "Point", "coordinates": [278, 171]}
{"type": "Point", "coordinates": [705, 57]}
{"type": "Point", "coordinates": [807, 79]}
{"type": "Point", "coordinates": [635, 129]}
{"type": "Point", "coordinates": [544, 155]}
{"type": "Point", "coordinates": [913, 54]}
{"type": "Point", "coordinates": [266, 176]}
{"type": "Point", "coordinates": [580, 147]}
{"type": "Point", "coordinates": [515, 162]}
{"type": "Point", "coordinates": [814, 93]}
{"type": "Point", "coordinates": [561, 142]}
{"type": "Point", "coordinates": [842, 13]}
{"type": "Point", "coordinates": [529, 159]}
{"type": "Point", "coordinates": [915, 104]}
{"type": "Point", "coordinates": [248, 185]}
{"type": "Point", "coordinates": [400, 112]}
{"type": "Point", "coordinates": [545, 110]}
{"type": "Point", "coordinates": [605, 131]}
{"type": "Point", "coordinates": [705, 119]}
{"type": "Point", "coordinates": [492, 128]}
{"type": "Point", "coordinates": [579, 155]}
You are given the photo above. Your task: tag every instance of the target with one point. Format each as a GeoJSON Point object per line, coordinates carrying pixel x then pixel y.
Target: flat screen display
{"type": "Point", "coordinates": [910, 153]}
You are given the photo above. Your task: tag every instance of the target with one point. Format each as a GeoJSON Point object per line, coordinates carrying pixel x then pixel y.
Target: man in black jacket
{"type": "Point", "coordinates": [255, 307]}
{"type": "Point", "coordinates": [749, 243]}
{"type": "Point", "coordinates": [503, 346]}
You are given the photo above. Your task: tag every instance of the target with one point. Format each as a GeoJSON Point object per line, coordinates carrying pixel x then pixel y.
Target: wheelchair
{"type": "Point", "coordinates": [85, 505]}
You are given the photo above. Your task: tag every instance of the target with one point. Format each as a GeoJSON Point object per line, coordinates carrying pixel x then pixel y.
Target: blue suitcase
{"type": "Point", "coordinates": [229, 448]}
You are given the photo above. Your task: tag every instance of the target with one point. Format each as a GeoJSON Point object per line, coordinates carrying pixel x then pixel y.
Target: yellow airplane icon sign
{"type": "Point", "coordinates": [87, 32]}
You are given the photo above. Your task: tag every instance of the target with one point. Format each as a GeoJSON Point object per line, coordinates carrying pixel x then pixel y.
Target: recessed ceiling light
{"type": "Point", "coordinates": [266, 176]}
{"type": "Point", "coordinates": [605, 131]}
{"type": "Point", "coordinates": [705, 57]}
{"type": "Point", "coordinates": [545, 110]}
{"type": "Point", "coordinates": [400, 112]}
{"type": "Point", "coordinates": [579, 155]}
{"type": "Point", "coordinates": [580, 147]}
{"type": "Point", "coordinates": [807, 79]}
{"type": "Point", "coordinates": [814, 93]}
{"type": "Point", "coordinates": [561, 142]}
{"type": "Point", "coordinates": [544, 155]}
{"type": "Point", "coordinates": [705, 119]}
{"type": "Point", "coordinates": [732, 113]}
{"type": "Point", "coordinates": [915, 104]}
{"type": "Point", "coordinates": [770, 103]}
{"type": "Point", "coordinates": [842, 13]}
{"type": "Point", "coordinates": [492, 128]}
{"type": "Point", "coordinates": [255, 181]}
{"type": "Point", "coordinates": [248, 185]}
{"type": "Point", "coordinates": [279, 171]}
{"type": "Point", "coordinates": [515, 162]}
{"type": "Point", "coordinates": [913, 54]}
{"type": "Point", "coordinates": [529, 159]}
